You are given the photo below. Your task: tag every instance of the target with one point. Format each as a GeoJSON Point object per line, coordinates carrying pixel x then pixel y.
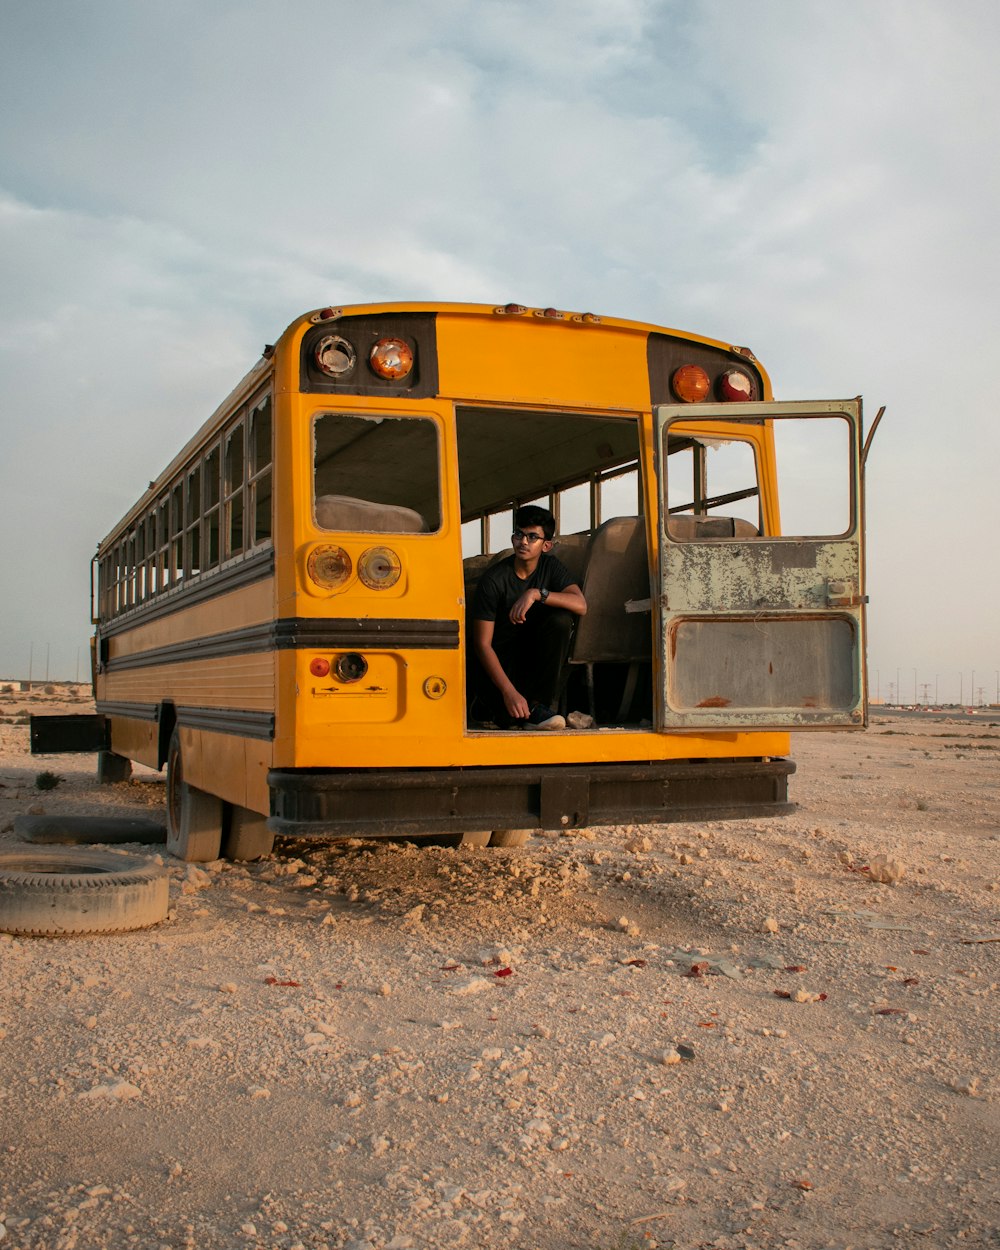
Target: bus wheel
{"type": "Point", "coordinates": [49, 892]}
{"type": "Point", "coordinates": [509, 837]}
{"type": "Point", "coordinates": [249, 836]}
{"type": "Point", "coordinates": [476, 839]}
{"type": "Point", "coordinates": [194, 818]}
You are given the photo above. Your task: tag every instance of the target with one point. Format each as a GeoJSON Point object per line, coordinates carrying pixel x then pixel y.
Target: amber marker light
{"type": "Point", "coordinates": [690, 384]}
{"type": "Point", "coordinates": [379, 568]}
{"type": "Point", "coordinates": [334, 355]}
{"type": "Point", "coordinates": [391, 359]}
{"type": "Point", "coordinates": [319, 667]}
{"type": "Point", "coordinates": [329, 566]}
{"type": "Point", "coordinates": [735, 386]}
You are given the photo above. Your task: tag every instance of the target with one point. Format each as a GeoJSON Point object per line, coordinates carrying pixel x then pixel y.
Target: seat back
{"type": "Point", "coordinates": [685, 528]}
{"type": "Point", "coordinates": [617, 573]}
{"type": "Point", "coordinates": [344, 512]}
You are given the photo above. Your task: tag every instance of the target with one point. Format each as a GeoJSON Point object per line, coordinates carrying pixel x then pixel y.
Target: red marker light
{"type": "Point", "coordinates": [319, 667]}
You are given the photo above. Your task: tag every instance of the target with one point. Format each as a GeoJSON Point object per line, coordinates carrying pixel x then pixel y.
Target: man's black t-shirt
{"type": "Point", "coordinates": [500, 587]}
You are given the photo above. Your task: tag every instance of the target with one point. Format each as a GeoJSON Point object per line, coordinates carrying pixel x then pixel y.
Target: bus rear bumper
{"type": "Point", "coordinates": [379, 803]}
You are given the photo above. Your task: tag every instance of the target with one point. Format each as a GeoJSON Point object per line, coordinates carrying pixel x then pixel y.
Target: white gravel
{"type": "Point", "coordinates": [780, 1033]}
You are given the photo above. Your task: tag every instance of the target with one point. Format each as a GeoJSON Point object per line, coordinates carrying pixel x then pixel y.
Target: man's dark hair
{"type": "Point", "coordinates": [532, 514]}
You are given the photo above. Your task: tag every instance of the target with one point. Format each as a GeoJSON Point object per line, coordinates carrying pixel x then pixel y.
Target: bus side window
{"type": "Point", "coordinates": [260, 472]}
{"type": "Point", "coordinates": [210, 502]}
{"type": "Point", "coordinates": [234, 491]}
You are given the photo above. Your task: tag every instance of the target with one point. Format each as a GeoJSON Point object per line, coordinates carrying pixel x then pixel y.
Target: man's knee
{"type": "Point", "coordinates": [559, 621]}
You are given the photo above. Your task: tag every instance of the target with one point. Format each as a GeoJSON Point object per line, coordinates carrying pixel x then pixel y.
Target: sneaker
{"type": "Point", "coordinates": [544, 718]}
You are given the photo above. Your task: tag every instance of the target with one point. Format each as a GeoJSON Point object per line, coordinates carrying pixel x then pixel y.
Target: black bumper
{"type": "Point", "coordinates": [373, 803]}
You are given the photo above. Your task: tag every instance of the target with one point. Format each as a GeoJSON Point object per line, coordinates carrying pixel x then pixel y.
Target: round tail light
{"type": "Point", "coordinates": [334, 355]}
{"type": "Point", "coordinates": [735, 386]}
{"type": "Point", "coordinates": [391, 359]}
{"type": "Point", "coordinates": [329, 566]}
{"type": "Point", "coordinates": [379, 568]}
{"type": "Point", "coordinates": [690, 384]}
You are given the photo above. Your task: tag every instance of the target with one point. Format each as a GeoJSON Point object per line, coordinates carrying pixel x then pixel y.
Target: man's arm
{"type": "Point", "coordinates": [571, 599]}
{"type": "Point", "coordinates": [482, 641]}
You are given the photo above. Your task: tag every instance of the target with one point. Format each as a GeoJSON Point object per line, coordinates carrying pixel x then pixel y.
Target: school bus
{"type": "Point", "coordinates": [281, 617]}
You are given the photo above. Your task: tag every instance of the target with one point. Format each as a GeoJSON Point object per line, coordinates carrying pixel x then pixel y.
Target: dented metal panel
{"type": "Point", "coordinates": [765, 631]}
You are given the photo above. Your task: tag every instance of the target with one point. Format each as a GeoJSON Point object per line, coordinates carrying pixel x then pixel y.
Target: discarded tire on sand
{"type": "Point", "coordinates": [54, 892]}
{"type": "Point", "coordinates": [71, 830]}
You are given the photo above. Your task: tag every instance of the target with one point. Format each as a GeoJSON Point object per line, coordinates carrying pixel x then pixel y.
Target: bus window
{"type": "Point", "coordinates": [619, 495]}
{"type": "Point", "coordinates": [376, 475]}
{"type": "Point", "coordinates": [572, 510]}
{"type": "Point", "coordinates": [234, 491]}
{"type": "Point", "coordinates": [260, 472]}
{"type": "Point", "coordinates": [210, 491]}
{"type": "Point", "coordinates": [472, 538]}
{"type": "Point", "coordinates": [177, 531]}
{"type": "Point", "coordinates": [813, 460]}
{"type": "Point", "coordinates": [709, 477]}
{"type": "Point", "coordinates": [499, 528]}
{"type": "Point", "coordinates": [192, 538]}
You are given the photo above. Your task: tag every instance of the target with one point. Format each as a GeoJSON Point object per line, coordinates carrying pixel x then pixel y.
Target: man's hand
{"type": "Point", "coordinates": [516, 705]}
{"type": "Point", "coordinates": [521, 605]}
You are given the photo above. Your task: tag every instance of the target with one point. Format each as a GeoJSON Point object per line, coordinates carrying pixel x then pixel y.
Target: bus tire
{"type": "Point", "coordinates": [476, 839]}
{"type": "Point", "coordinates": [509, 837]}
{"type": "Point", "coordinates": [54, 892]}
{"type": "Point", "coordinates": [248, 837]}
{"type": "Point", "coordinates": [194, 818]}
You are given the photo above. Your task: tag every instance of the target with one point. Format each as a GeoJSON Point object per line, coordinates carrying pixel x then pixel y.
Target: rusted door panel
{"type": "Point", "coordinates": [753, 574]}
{"type": "Point", "coordinates": [762, 632]}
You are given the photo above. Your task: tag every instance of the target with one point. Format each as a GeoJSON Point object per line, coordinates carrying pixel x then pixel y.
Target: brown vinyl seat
{"type": "Point", "coordinates": [617, 628]}
{"type": "Point", "coordinates": [344, 512]}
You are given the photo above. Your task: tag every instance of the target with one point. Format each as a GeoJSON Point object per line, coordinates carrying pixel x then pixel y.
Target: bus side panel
{"type": "Point", "coordinates": [135, 740]}
{"type": "Point", "coordinates": [233, 768]}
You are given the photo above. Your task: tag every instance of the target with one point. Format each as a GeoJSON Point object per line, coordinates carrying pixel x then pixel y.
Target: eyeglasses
{"type": "Point", "coordinates": [528, 538]}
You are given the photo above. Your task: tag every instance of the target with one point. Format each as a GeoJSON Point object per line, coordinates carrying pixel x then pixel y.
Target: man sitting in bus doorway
{"type": "Point", "coordinates": [522, 623]}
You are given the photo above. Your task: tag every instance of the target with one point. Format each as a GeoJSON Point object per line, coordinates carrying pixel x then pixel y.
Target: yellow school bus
{"type": "Point", "coordinates": [281, 617]}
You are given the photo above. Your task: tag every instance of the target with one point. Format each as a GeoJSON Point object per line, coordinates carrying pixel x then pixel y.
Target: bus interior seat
{"type": "Point", "coordinates": [617, 574]}
{"type": "Point", "coordinates": [685, 528]}
{"type": "Point", "coordinates": [344, 512]}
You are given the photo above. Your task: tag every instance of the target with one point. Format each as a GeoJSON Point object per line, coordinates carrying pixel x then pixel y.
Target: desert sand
{"type": "Point", "coordinates": [717, 1035]}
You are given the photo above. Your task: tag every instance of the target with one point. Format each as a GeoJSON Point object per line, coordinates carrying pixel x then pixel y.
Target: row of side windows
{"type": "Point", "coordinates": [218, 507]}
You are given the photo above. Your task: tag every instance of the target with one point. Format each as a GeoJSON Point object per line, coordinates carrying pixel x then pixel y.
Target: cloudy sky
{"type": "Point", "coordinates": [818, 180]}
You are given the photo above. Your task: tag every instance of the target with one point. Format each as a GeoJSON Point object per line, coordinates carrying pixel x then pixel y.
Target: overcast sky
{"type": "Point", "coordinates": [818, 180]}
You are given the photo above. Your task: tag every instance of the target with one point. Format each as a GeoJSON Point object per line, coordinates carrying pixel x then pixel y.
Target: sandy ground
{"type": "Point", "coordinates": [722, 1035]}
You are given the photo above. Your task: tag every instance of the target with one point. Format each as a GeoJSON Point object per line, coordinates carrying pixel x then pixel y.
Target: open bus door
{"type": "Point", "coordinates": [759, 631]}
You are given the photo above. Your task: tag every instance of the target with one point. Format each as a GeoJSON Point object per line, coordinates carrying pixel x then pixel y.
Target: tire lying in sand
{"type": "Point", "coordinates": [54, 892]}
{"type": "Point", "coordinates": [70, 830]}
